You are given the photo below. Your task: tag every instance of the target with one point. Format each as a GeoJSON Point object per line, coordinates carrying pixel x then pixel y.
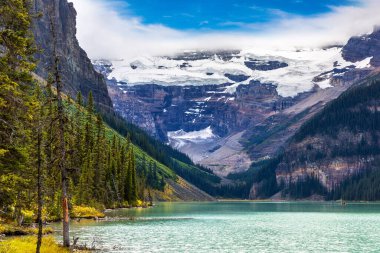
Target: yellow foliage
{"type": "Point", "coordinates": [27, 244]}
{"type": "Point", "coordinates": [3, 151]}
{"type": "Point", "coordinates": [86, 212]}
{"type": "Point", "coordinates": [28, 216]}
{"type": "Point", "coordinates": [139, 202]}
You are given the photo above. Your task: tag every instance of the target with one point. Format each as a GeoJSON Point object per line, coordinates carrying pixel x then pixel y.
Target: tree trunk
{"type": "Point", "coordinates": [39, 190]}
{"type": "Point", "coordinates": [61, 164]}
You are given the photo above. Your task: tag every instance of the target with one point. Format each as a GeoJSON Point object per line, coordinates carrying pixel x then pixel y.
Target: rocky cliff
{"type": "Point", "coordinates": [78, 73]}
{"type": "Point", "coordinates": [360, 47]}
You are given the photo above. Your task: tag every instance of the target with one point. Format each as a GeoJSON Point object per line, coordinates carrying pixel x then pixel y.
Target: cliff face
{"type": "Point", "coordinates": [161, 109]}
{"type": "Point", "coordinates": [78, 73]}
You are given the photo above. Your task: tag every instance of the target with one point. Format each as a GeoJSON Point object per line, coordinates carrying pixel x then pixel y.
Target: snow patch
{"type": "Point", "coordinates": [180, 138]}
{"type": "Point", "coordinates": [366, 63]}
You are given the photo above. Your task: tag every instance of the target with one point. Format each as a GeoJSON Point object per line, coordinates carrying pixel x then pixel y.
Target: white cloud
{"type": "Point", "coordinates": [104, 33]}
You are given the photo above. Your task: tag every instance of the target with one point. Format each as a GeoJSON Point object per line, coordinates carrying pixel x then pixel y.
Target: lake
{"type": "Point", "coordinates": [237, 227]}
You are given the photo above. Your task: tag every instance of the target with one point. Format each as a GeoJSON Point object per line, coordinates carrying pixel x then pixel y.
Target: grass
{"type": "Point", "coordinates": [13, 230]}
{"type": "Point", "coordinates": [27, 244]}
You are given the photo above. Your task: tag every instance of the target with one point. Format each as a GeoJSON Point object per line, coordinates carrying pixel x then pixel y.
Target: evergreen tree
{"type": "Point", "coordinates": [39, 139]}
{"type": "Point", "coordinates": [79, 99]}
{"type": "Point", "coordinates": [16, 63]}
{"type": "Point", "coordinates": [129, 179]}
{"type": "Point", "coordinates": [134, 191]}
{"type": "Point", "coordinates": [99, 158]}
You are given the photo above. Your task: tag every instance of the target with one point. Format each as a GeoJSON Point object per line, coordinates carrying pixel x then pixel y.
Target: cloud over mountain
{"type": "Point", "coordinates": [105, 32]}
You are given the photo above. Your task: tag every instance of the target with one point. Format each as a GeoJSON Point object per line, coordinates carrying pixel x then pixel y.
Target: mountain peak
{"type": "Point", "coordinates": [362, 47]}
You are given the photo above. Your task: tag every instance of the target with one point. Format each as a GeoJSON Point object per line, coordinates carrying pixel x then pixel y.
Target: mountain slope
{"type": "Point", "coordinates": [78, 75]}
{"type": "Point", "coordinates": [303, 165]}
{"type": "Point", "coordinates": [338, 143]}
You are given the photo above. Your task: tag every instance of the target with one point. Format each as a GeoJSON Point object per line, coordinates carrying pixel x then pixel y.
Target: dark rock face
{"type": "Point", "coordinates": [78, 73]}
{"type": "Point", "coordinates": [360, 48]}
{"type": "Point", "coordinates": [236, 78]}
{"type": "Point", "coordinates": [159, 109]}
{"type": "Point", "coordinates": [265, 66]}
{"type": "Point", "coordinates": [185, 65]}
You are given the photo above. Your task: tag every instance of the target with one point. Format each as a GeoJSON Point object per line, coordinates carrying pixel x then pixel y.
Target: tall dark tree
{"type": "Point", "coordinates": [134, 191]}
{"type": "Point", "coordinates": [61, 129]}
{"type": "Point", "coordinates": [39, 125]}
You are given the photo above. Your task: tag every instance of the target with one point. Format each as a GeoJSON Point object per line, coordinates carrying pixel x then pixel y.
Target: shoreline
{"type": "Point", "coordinates": [283, 201]}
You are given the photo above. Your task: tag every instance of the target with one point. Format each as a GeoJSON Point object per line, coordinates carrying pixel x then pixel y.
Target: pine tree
{"type": "Point", "coordinates": [134, 191]}
{"type": "Point", "coordinates": [86, 181]}
{"type": "Point", "coordinates": [129, 179]}
{"type": "Point", "coordinates": [79, 99]}
{"type": "Point", "coordinates": [39, 139]}
{"type": "Point", "coordinates": [99, 158]}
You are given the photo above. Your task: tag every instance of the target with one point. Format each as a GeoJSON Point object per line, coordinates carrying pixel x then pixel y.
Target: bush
{"type": "Point", "coordinates": [28, 216]}
{"type": "Point", "coordinates": [86, 212]}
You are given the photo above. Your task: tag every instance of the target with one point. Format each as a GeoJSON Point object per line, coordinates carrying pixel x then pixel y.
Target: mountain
{"type": "Point", "coordinates": [227, 109]}
{"type": "Point", "coordinates": [335, 152]}
{"type": "Point", "coordinates": [361, 47]}
{"type": "Point", "coordinates": [336, 146]}
{"type": "Point", "coordinates": [78, 75]}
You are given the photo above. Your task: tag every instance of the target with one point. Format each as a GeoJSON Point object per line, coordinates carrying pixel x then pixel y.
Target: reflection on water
{"type": "Point", "coordinates": [237, 227]}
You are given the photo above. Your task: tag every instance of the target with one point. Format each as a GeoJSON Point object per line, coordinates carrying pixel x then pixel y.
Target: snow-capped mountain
{"type": "Point", "coordinates": [210, 104]}
{"type": "Point", "coordinates": [291, 71]}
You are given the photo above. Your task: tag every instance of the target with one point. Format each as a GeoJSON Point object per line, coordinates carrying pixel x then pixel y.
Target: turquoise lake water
{"type": "Point", "coordinates": [237, 227]}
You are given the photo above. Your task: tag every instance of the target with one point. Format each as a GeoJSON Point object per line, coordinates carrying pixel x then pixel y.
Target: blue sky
{"type": "Point", "coordinates": [223, 14]}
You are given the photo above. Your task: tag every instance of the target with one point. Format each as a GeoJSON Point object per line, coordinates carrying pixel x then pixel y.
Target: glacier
{"type": "Point", "coordinates": [300, 67]}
